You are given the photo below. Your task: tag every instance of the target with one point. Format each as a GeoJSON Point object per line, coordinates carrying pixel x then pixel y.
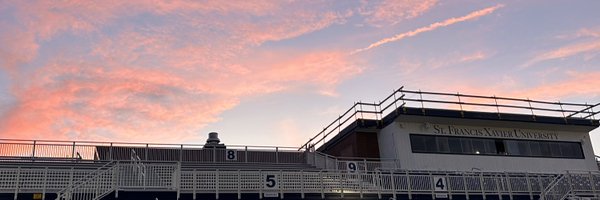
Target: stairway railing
{"type": "Point", "coordinates": [96, 185]}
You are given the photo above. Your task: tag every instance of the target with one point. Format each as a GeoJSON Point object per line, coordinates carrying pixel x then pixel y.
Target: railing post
{"type": "Point", "coordinates": [116, 178]}
{"type": "Point", "coordinates": [529, 185]}
{"type": "Point", "coordinates": [260, 184]}
{"type": "Point", "coordinates": [531, 108]}
{"type": "Point", "coordinates": [146, 153]}
{"type": "Point", "coordinates": [321, 183]}
{"type": "Point", "coordinates": [498, 180]}
{"type": "Point", "coordinates": [194, 184]}
{"type": "Point", "coordinates": [246, 154]}
{"type": "Point", "coordinates": [73, 151]}
{"type": "Point", "coordinates": [497, 107]}
{"type": "Point", "coordinates": [45, 181]}
{"type": "Point", "coordinates": [410, 185]}
{"type": "Point", "coordinates": [395, 110]}
{"type": "Point", "coordinates": [393, 180]}
{"type": "Point", "coordinates": [481, 182]}
{"type": "Point", "coordinates": [239, 180]}
{"type": "Point", "coordinates": [302, 184]}
{"type": "Point", "coordinates": [17, 182]}
{"type": "Point", "coordinates": [33, 151]}
{"type": "Point", "coordinates": [276, 154]}
{"type": "Point", "coordinates": [570, 181]}
{"type": "Point", "coordinates": [178, 180]}
{"type": "Point", "coordinates": [280, 185]}
{"type": "Point", "coordinates": [508, 184]}
{"type": "Point", "coordinates": [110, 152]}
{"type": "Point", "coordinates": [217, 183]}
{"type": "Point", "coordinates": [181, 153]}
{"type": "Point", "coordinates": [422, 104]}
{"type": "Point", "coordinates": [466, 187]}
{"type": "Point", "coordinates": [432, 185]}
{"type": "Point", "coordinates": [214, 152]}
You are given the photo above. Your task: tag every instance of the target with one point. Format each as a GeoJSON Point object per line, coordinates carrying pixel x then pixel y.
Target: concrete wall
{"type": "Point", "coordinates": [394, 143]}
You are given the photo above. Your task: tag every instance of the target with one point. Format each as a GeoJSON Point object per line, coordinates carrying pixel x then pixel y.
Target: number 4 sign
{"type": "Point", "coordinates": [439, 183]}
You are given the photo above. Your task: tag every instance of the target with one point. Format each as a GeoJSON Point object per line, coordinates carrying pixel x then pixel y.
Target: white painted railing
{"type": "Point", "coordinates": [170, 177]}
{"type": "Point", "coordinates": [96, 185]}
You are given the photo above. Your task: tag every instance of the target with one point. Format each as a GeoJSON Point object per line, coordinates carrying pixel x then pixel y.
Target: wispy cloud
{"type": "Point", "coordinates": [175, 77]}
{"type": "Point", "coordinates": [389, 12]}
{"type": "Point", "coordinates": [566, 51]}
{"type": "Point", "coordinates": [431, 27]}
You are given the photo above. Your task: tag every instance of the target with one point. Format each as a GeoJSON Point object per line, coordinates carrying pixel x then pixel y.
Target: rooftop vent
{"type": "Point", "coordinates": [213, 141]}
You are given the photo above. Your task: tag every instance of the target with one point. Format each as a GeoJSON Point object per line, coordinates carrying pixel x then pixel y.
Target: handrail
{"type": "Point", "coordinates": [376, 111]}
{"type": "Point", "coordinates": [69, 190]}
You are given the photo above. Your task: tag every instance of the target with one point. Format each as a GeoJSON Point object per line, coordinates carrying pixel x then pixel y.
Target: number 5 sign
{"type": "Point", "coordinates": [271, 181]}
{"type": "Point", "coordinates": [439, 183]}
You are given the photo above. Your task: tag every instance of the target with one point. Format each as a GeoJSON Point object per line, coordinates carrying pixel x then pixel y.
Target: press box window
{"type": "Point", "coordinates": [495, 146]}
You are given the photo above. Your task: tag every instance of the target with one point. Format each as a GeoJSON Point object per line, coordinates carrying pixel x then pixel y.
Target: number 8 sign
{"type": "Point", "coordinates": [231, 154]}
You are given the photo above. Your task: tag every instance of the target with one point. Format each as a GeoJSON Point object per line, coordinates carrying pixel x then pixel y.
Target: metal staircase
{"type": "Point", "coordinates": [573, 185]}
{"type": "Point", "coordinates": [94, 186]}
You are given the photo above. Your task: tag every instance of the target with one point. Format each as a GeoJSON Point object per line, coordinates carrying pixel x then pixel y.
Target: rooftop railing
{"type": "Point", "coordinates": [86, 151]}
{"type": "Point", "coordinates": [451, 101]}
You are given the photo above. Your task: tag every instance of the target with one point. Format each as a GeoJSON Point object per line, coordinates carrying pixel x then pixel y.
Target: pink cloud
{"type": "Point", "coordinates": [389, 12]}
{"type": "Point", "coordinates": [565, 51]}
{"type": "Point", "coordinates": [431, 27]}
{"type": "Point", "coordinates": [18, 47]}
{"type": "Point", "coordinates": [128, 98]}
{"type": "Point", "coordinates": [479, 55]}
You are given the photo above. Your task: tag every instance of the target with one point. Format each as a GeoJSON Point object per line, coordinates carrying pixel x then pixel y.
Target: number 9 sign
{"type": "Point", "coordinates": [351, 166]}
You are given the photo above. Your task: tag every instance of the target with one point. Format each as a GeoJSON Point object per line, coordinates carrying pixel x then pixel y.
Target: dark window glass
{"type": "Point", "coordinates": [484, 146]}
{"type": "Point", "coordinates": [555, 149]}
{"type": "Point", "coordinates": [535, 148]}
{"type": "Point", "coordinates": [430, 144]}
{"type": "Point", "coordinates": [467, 148]}
{"type": "Point", "coordinates": [417, 143]}
{"type": "Point", "coordinates": [524, 148]}
{"type": "Point", "coordinates": [545, 148]}
{"type": "Point", "coordinates": [490, 147]}
{"type": "Point", "coordinates": [566, 150]}
{"type": "Point", "coordinates": [442, 145]}
{"type": "Point", "coordinates": [455, 145]}
{"type": "Point", "coordinates": [478, 146]}
{"type": "Point", "coordinates": [512, 147]}
{"type": "Point", "coordinates": [577, 151]}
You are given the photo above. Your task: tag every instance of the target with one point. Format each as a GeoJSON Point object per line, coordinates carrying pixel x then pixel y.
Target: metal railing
{"type": "Point", "coordinates": [573, 183]}
{"type": "Point", "coordinates": [170, 177]}
{"type": "Point", "coordinates": [96, 185]}
{"type": "Point", "coordinates": [350, 164]}
{"type": "Point", "coordinates": [88, 151]}
{"type": "Point", "coordinates": [450, 101]}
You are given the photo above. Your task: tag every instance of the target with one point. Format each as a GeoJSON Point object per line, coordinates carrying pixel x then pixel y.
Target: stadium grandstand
{"type": "Point", "coordinates": [410, 145]}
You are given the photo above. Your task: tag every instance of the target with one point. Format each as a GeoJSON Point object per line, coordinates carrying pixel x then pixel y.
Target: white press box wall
{"type": "Point", "coordinates": [394, 143]}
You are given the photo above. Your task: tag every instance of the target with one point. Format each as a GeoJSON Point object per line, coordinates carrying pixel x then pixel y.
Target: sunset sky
{"type": "Point", "coordinates": [274, 72]}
